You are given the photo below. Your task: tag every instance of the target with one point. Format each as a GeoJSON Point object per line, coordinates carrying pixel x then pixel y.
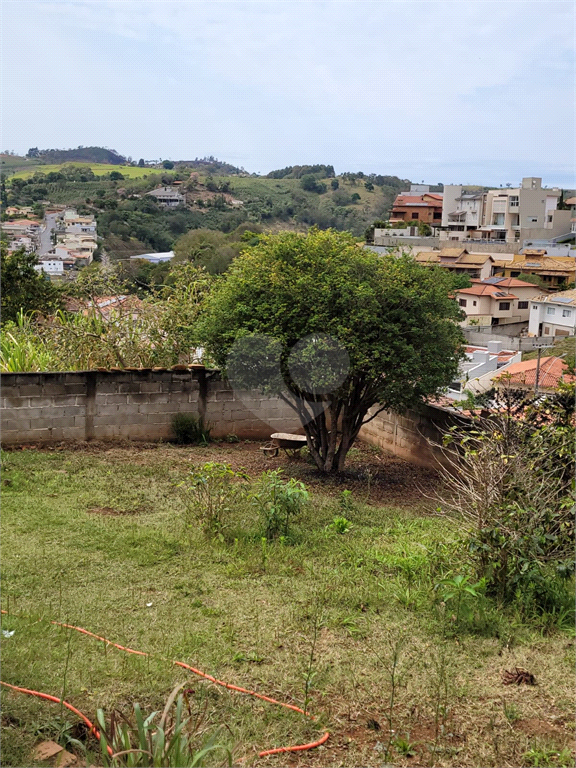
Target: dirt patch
{"type": "Point", "coordinates": [543, 728]}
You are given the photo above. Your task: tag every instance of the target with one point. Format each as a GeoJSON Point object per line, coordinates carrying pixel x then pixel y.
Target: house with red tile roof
{"type": "Point", "coordinates": [425, 208]}
{"type": "Point", "coordinates": [496, 301]}
{"type": "Point", "coordinates": [522, 375]}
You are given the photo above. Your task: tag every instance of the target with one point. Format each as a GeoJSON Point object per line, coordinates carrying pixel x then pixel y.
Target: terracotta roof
{"type": "Point", "coordinates": [570, 201]}
{"type": "Point", "coordinates": [494, 291]}
{"type": "Point", "coordinates": [553, 370]}
{"type": "Point", "coordinates": [506, 282]}
{"type": "Point", "coordinates": [417, 200]}
{"type": "Point", "coordinates": [504, 355]}
{"type": "Point", "coordinates": [563, 264]}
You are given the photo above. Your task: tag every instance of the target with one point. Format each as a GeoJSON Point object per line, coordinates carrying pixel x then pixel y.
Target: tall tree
{"type": "Point", "coordinates": [23, 288]}
{"type": "Point", "coordinates": [333, 329]}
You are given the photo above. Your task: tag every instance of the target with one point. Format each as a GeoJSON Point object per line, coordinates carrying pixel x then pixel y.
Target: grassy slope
{"type": "Point", "coordinates": [248, 619]}
{"type": "Point", "coordinates": [99, 169]}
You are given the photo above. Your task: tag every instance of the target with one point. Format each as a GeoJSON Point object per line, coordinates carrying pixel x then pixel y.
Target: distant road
{"type": "Point", "coordinates": [46, 234]}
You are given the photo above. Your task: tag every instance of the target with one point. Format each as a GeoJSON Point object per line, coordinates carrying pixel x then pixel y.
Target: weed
{"type": "Point", "coordinates": [190, 429]}
{"type": "Point", "coordinates": [278, 501]}
{"type": "Point", "coordinates": [404, 747]}
{"type": "Point", "coordinates": [167, 742]}
{"type": "Point", "coordinates": [346, 503]}
{"type": "Point", "coordinates": [214, 495]}
{"type": "Point", "coordinates": [547, 756]}
{"type": "Point", "coordinates": [458, 594]}
{"type": "Point", "coordinates": [511, 711]}
{"type": "Point", "coordinates": [340, 525]}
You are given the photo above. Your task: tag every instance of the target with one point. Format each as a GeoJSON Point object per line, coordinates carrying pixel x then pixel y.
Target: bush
{"type": "Point", "coordinates": [190, 429]}
{"type": "Point", "coordinates": [278, 502]}
{"type": "Point", "coordinates": [214, 495]}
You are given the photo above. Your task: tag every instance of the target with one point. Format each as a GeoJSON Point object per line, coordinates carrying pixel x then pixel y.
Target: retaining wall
{"type": "Point", "coordinates": [139, 405]}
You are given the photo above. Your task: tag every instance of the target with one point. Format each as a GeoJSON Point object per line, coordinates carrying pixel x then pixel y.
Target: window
{"type": "Point", "coordinates": [522, 305]}
{"type": "Point", "coordinates": [550, 218]}
{"type": "Point", "coordinates": [532, 219]}
{"type": "Point", "coordinates": [514, 274]}
{"type": "Point", "coordinates": [473, 303]}
{"type": "Point", "coordinates": [504, 305]}
{"type": "Point", "coordinates": [462, 302]}
{"type": "Point", "coordinates": [513, 200]}
{"type": "Point", "coordinates": [437, 215]}
{"type": "Point", "coordinates": [534, 307]}
{"type": "Point", "coordinates": [550, 311]}
{"type": "Point", "coordinates": [566, 313]}
{"type": "Point", "coordinates": [415, 215]}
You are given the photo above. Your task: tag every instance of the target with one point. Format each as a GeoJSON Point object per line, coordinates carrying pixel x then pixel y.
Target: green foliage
{"type": "Point", "coordinates": [545, 755]}
{"type": "Point", "coordinates": [534, 279]}
{"type": "Point", "coordinates": [460, 595]}
{"type": "Point", "coordinates": [190, 429]}
{"type": "Point", "coordinates": [511, 486]}
{"type": "Point", "coordinates": [24, 289]}
{"type": "Point", "coordinates": [161, 740]}
{"type": "Point", "coordinates": [168, 164]}
{"type": "Point", "coordinates": [340, 525]}
{"type": "Point", "coordinates": [279, 501]}
{"type": "Point", "coordinates": [207, 248]}
{"type": "Point", "coordinates": [311, 184]}
{"type": "Point", "coordinates": [214, 491]}
{"type": "Point", "coordinates": [393, 318]}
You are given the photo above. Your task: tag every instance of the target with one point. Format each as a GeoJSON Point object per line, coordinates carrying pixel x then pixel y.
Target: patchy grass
{"type": "Point", "coordinates": [93, 535]}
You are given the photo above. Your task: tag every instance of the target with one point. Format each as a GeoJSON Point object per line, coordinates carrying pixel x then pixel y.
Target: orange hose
{"type": "Point", "coordinates": [230, 686]}
{"type": "Point", "coordinates": [56, 700]}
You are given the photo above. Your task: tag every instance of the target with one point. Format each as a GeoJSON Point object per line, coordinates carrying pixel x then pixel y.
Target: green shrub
{"type": "Point", "coordinates": [162, 739]}
{"type": "Point", "coordinates": [278, 502]}
{"type": "Point", "coordinates": [213, 496]}
{"type": "Point", "coordinates": [190, 429]}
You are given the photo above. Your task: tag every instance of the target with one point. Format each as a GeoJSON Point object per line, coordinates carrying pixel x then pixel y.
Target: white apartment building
{"type": "Point", "coordinates": [504, 215]}
{"type": "Point", "coordinates": [553, 315]}
{"type": "Point", "coordinates": [50, 266]}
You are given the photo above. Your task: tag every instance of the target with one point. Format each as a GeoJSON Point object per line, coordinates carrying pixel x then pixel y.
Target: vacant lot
{"type": "Point", "coordinates": [99, 537]}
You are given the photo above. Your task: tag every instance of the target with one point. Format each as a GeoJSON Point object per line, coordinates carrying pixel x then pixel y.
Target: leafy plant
{"type": "Point", "coordinates": [340, 525]}
{"type": "Point", "coordinates": [346, 501]}
{"type": "Point", "coordinates": [190, 429]}
{"type": "Point", "coordinates": [164, 742]}
{"type": "Point", "coordinates": [404, 747]}
{"type": "Point", "coordinates": [458, 592]}
{"type": "Point", "coordinates": [214, 491]}
{"type": "Point", "coordinates": [278, 501]}
{"type": "Point", "coordinates": [546, 756]}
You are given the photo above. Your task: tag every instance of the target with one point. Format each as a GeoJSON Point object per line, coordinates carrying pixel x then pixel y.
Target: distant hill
{"type": "Point", "coordinates": [78, 155]}
{"type": "Point", "coordinates": [211, 165]}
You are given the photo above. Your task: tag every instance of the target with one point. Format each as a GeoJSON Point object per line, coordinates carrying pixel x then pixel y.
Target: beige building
{"type": "Point", "coordinates": [459, 260]}
{"type": "Point", "coordinates": [504, 215]}
{"type": "Point", "coordinates": [555, 271]}
{"type": "Point", "coordinates": [497, 301]}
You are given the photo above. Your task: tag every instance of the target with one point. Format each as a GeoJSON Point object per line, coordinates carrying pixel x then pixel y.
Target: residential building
{"type": "Point", "coordinates": [460, 260]}
{"type": "Point", "coordinates": [496, 301]}
{"type": "Point", "coordinates": [554, 271]}
{"type": "Point", "coordinates": [50, 266]}
{"type": "Point", "coordinates": [571, 202]}
{"type": "Point", "coordinates": [475, 372]}
{"type": "Point", "coordinates": [22, 241]}
{"type": "Point", "coordinates": [171, 197]}
{"type": "Point", "coordinates": [553, 315]}
{"type": "Point", "coordinates": [505, 215]}
{"type": "Point", "coordinates": [522, 375]}
{"type": "Point", "coordinates": [21, 227]}
{"type": "Point", "coordinates": [418, 205]}
{"type": "Point", "coordinates": [462, 212]}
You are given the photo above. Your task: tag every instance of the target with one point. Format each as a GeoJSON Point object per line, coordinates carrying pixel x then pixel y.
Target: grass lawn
{"type": "Point", "coordinates": [99, 169]}
{"type": "Point", "coordinates": [95, 536]}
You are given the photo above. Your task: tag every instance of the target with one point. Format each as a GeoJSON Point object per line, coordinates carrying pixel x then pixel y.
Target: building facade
{"type": "Point", "coordinates": [553, 315]}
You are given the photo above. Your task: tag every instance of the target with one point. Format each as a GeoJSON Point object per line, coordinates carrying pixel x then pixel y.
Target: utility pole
{"type": "Point", "coordinates": [537, 371]}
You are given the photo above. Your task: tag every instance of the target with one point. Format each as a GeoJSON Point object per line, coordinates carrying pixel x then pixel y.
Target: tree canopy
{"type": "Point", "coordinates": [333, 329]}
{"type": "Point", "coordinates": [23, 288]}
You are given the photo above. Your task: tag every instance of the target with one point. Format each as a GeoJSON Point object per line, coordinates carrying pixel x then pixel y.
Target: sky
{"type": "Point", "coordinates": [451, 91]}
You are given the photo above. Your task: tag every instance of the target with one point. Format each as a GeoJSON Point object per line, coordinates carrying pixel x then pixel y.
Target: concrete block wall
{"type": "Point", "coordinates": [407, 435]}
{"type": "Point", "coordinates": [137, 405]}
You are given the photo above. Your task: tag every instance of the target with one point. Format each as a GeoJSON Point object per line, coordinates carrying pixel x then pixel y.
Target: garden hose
{"type": "Point", "coordinates": [230, 686]}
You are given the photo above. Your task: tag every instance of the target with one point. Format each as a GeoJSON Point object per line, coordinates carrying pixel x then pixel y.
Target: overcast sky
{"type": "Point", "coordinates": [453, 91]}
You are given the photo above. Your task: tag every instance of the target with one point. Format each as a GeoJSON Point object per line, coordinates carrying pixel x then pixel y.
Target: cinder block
{"type": "Point", "coordinates": [15, 401]}
{"type": "Point", "coordinates": [151, 386]}
{"type": "Point", "coordinates": [136, 399]}
{"type": "Point", "coordinates": [115, 399]}
{"type": "Point", "coordinates": [150, 408]}
{"type": "Point", "coordinates": [20, 425]}
{"type": "Point", "coordinates": [109, 410]}
{"type": "Point", "coordinates": [76, 388]}
{"type": "Point", "coordinates": [30, 390]}
{"type": "Point", "coordinates": [130, 387]}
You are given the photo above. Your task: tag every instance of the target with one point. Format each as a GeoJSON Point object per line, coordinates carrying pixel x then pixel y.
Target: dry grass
{"type": "Point", "coordinates": [92, 535]}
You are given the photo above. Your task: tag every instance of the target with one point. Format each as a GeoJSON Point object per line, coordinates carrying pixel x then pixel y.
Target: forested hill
{"type": "Point", "coordinates": [78, 155]}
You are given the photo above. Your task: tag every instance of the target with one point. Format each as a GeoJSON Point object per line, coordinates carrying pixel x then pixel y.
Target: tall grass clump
{"type": "Point", "coordinates": [190, 430]}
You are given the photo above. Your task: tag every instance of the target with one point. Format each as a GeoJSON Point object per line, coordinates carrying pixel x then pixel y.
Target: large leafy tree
{"type": "Point", "coordinates": [333, 329]}
{"type": "Point", "coordinates": [23, 288]}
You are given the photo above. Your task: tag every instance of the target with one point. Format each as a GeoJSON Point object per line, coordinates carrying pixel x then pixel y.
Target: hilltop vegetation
{"type": "Point", "coordinates": [80, 154]}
